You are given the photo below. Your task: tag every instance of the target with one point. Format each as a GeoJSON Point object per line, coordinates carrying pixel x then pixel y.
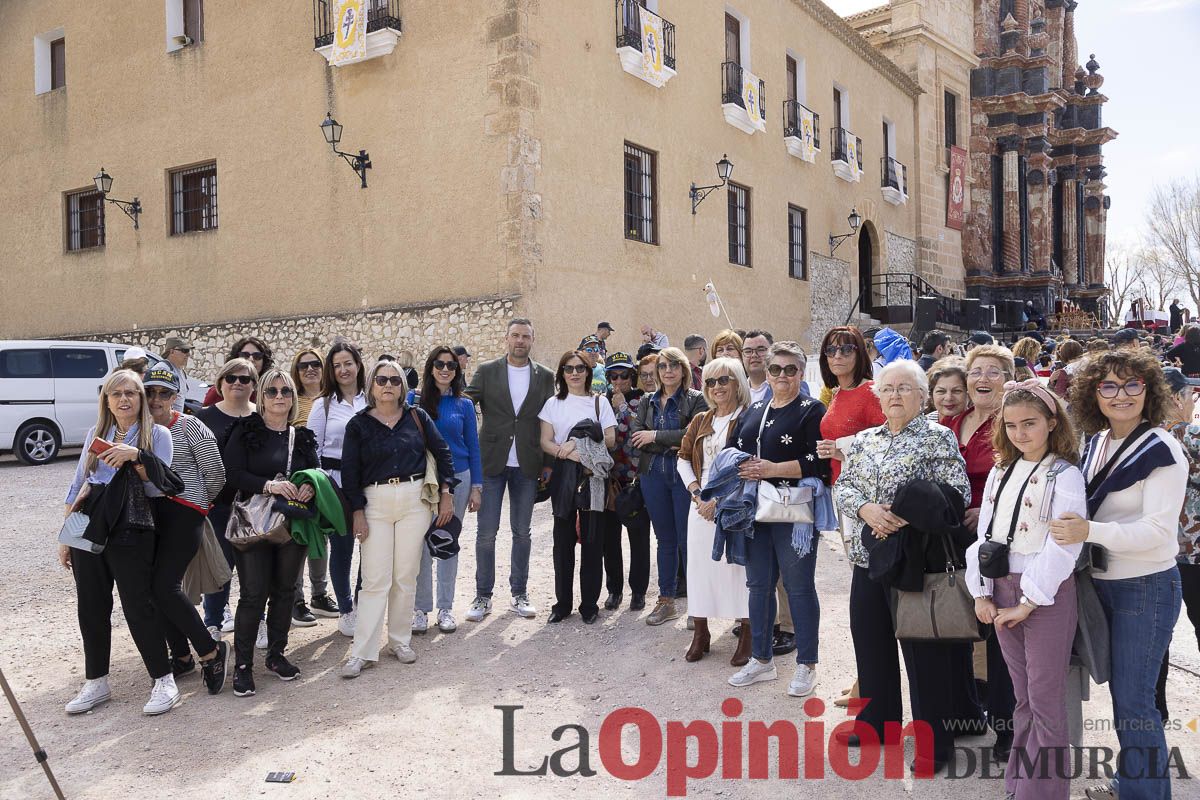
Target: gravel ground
{"type": "Point", "coordinates": [431, 728]}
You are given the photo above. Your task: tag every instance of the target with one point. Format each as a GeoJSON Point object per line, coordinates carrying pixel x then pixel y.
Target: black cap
{"type": "Point", "coordinates": [459, 350]}
{"type": "Point", "coordinates": [1177, 381]}
{"type": "Point", "coordinates": [607, 326]}
{"type": "Point", "coordinates": [1125, 335]}
{"type": "Point", "coordinates": [442, 540]}
{"type": "Point", "coordinates": [980, 337]}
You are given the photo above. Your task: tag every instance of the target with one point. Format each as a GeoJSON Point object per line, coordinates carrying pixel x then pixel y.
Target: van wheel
{"type": "Point", "coordinates": [36, 444]}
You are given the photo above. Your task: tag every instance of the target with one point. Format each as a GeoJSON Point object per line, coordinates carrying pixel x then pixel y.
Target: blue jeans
{"type": "Point", "coordinates": [341, 554]}
{"type": "Point", "coordinates": [447, 568]}
{"type": "Point", "coordinates": [667, 500]}
{"type": "Point", "coordinates": [214, 604]}
{"type": "Point", "coordinates": [771, 556]}
{"type": "Point", "coordinates": [1141, 617]}
{"type": "Point", "coordinates": [522, 491]}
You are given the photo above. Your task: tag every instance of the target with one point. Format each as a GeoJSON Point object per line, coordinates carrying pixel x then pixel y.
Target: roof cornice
{"type": "Point", "coordinates": [833, 23]}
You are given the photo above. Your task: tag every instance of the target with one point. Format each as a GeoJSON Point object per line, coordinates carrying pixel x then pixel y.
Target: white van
{"type": "Point", "coordinates": [49, 393]}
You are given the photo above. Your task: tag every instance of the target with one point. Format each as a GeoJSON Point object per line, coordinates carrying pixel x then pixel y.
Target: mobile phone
{"type": "Point", "coordinates": [281, 777]}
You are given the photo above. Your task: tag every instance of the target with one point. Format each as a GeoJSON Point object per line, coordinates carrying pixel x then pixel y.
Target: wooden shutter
{"type": "Point", "coordinates": [733, 39]}
{"type": "Point", "coordinates": [58, 63]}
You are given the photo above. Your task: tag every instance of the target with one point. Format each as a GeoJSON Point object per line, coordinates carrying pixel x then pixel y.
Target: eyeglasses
{"type": "Point", "coordinates": [646, 376]}
{"type": "Point", "coordinates": [757, 351]}
{"type": "Point", "coordinates": [663, 366]}
{"type": "Point", "coordinates": [722, 380]}
{"type": "Point", "coordinates": [619, 375]}
{"type": "Point", "coordinates": [1110, 389]}
{"type": "Point", "coordinates": [248, 354]}
{"type": "Point", "coordinates": [992, 374]}
{"type": "Point", "coordinates": [279, 391]}
{"type": "Point", "coordinates": [245, 380]}
{"type": "Point", "coordinates": [841, 349]}
{"type": "Point", "coordinates": [445, 365]}
{"type": "Point", "coordinates": [570, 368]}
{"type": "Point", "coordinates": [775, 370]}
{"type": "Point", "coordinates": [728, 350]}
{"type": "Point", "coordinates": [127, 394]}
{"type": "Point", "coordinates": [159, 394]}
{"type": "Point", "coordinates": [902, 389]}
{"type": "Point", "coordinates": [384, 380]}
{"type": "Point", "coordinates": [306, 366]}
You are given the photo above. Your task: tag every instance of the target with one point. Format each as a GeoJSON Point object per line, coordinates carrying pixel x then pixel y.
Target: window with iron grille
{"type": "Point", "coordinates": [85, 220]}
{"type": "Point", "coordinates": [640, 195]}
{"type": "Point", "coordinates": [739, 225]}
{"type": "Point", "coordinates": [797, 239]}
{"type": "Point", "coordinates": [194, 199]}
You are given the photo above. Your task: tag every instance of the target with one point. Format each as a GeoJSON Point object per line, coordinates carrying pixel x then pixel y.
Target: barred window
{"type": "Point", "coordinates": [797, 240]}
{"type": "Point", "coordinates": [194, 199]}
{"type": "Point", "coordinates": [640, 185]}
{"type": "Point", "coordinates": [739, 225]}
{"type": "Point", "coordinates": [85, 219]}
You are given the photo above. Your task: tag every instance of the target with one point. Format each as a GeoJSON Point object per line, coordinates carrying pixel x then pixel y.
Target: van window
{"type": "Point", "coordinates": [81, 363]}
{"type": "Point", "coordinates": [25, 364]}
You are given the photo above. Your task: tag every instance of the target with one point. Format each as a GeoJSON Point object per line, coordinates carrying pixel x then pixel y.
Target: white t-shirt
{"type": "Point", "coordinates": [518, 388]}
{"type": "Point", "coordinates": [760, 394]}
{"type": "Point", "coordinates": [563, 414]}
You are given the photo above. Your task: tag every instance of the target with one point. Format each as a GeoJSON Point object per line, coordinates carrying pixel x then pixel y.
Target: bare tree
{"type": "Point", "coordinates": [1173, 231]}
{"type": "Point", "coordinates": [1123, 282]}
{"type": "Point", "coordinates": [1157, 277]}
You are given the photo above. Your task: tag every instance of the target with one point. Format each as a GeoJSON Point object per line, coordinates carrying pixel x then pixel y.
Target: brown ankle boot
{"type": "Point", "coordinates": [700, 641]}
{"type": "Point", "coordinates": [741, 654]}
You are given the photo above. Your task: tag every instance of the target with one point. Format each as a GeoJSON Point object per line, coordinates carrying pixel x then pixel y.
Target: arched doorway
{"type": "Point", "coordinates": [866, 259]}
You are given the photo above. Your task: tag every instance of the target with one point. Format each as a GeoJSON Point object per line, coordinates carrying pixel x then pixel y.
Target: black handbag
{"type": "Point", "coordinates": [993, 556]}
{"type": "Point", "coordinates": [629, 502]}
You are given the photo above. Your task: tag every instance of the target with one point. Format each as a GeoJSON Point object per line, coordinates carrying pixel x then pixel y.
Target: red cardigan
{"type": "Point", "coordinates": [851, 411]}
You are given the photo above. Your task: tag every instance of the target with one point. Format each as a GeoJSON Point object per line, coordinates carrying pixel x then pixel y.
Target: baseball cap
{"type": "Point", "coordinates": [980, 337]}
{"type": "Point", "coordinates": [607, 326]}
{"type": "Point", "coordinates": [176, 343]}
{"type": "Point", "coordinates": [619, 360]}
{"type": "Point", "coordinates": [589, 340]}
{"type": "Point", "coordinates": [162, 375]}
{"type": "Point", "coordinates": [869, 333]}
{"type": "Point", "coordinates": [442, 540]}
{"type": "Point", "coordinates": [459, 350]}
{"type": "Point", "coordinates": [1125, 335]}
{"type": "Point", "coordinates": [134, 352]}
{"type": "Point", "coordinates": [1177, 381]}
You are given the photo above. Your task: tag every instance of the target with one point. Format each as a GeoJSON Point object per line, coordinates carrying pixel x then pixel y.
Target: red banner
{"type": "Point", "coordinates": [957, 188]}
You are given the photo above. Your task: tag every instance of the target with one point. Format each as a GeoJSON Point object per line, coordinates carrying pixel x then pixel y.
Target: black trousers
{"type": "Point", "coordinates": [1189, 574]}
{"type": "Point", "coordinates": [639, 553]}
{"type": "Point", "coordinates": [177, 540]}
{"type": "Point", "coordinates": [875, 652]}
{"type": "Point", "coordinates": [591, 563]}
{"type": "Point", "coordinates": [131, 568]}
{"type": "Point", "coordinates": [941, 686]}
{"type": "Point", "coordinates": [265, 572]}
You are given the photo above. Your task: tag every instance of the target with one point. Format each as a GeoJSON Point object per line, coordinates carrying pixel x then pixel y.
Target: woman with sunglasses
{"type": "Point", "coordinates": [306, 374]}
{"type": "Point", "coordinates": [625, 396]}
{"type": "Point", "coordinates": [257, 452]}
{"type": "Point", "coordinates": [384, 469]}
{"type": "Point", "coordinates": [235, 386]}
{"type": "Point", "coordinates": [444, 399]}
{"type": "Point", "coordinates": [657, 431]}
{"type": "Point", "coordinates": [1137, 481]}
{"type": "Point", "coordinates": [343, 381]}
{"type": "Point", "coordinates": [252, 349]}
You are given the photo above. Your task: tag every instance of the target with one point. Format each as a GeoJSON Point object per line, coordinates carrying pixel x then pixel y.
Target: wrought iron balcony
{"type": "Point", "coordinates": [629, 30]}
{"type": "Point", "coordinates": [734, 100]}
{"type": "Point", "coordinates": [791, 121]}
{"type": "Point", "coordinates": [846, 154]}
{"type": "Point", "coordinates": [381, 15]}
{"type": "Point", "coordinates": [893, 180]}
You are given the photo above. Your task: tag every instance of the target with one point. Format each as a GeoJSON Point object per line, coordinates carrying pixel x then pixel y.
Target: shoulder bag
{"type": "Point", "coordinates": [254, 519]}
{"type": "Point", "coordinates": [943, 611]}
{"type": "Point", "coordinates": [791, 504]}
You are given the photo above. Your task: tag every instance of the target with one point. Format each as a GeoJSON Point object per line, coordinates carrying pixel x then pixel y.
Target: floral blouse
{"type": "Point", "coordinates": [1189, 515]}
{"type": "Point", "coordinates": [878, 463]}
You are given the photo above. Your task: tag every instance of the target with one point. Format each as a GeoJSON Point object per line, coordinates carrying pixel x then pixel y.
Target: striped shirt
{"type": "Point", "coordinates": [197, 461]}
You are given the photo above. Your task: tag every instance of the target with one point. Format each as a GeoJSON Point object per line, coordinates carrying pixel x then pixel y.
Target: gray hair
{"type": "Point", "coordinates": [908, 369]}
{"type": "Point", "coordinates": [733, 367]}
{"type": "Point", "coordinates": [789, 348]}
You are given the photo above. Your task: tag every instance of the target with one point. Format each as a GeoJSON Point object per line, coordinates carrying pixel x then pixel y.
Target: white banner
{"type": "Point", "coordinates": [349, 32]}
{"type": "Point", "coordinates": [652, 48]}
{"type": "Point", "coordinates": [751, 99]}
{"type": "Point", "coordinates": [808, 134]}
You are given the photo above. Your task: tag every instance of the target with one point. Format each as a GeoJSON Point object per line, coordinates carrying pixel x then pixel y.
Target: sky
{"type": "Point", "coordinates": [1146, 55]}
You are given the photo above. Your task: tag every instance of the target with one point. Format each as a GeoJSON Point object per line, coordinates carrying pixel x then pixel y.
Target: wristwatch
{"type": "Point", "coordinates": [696, 495]}
{"type": "Point", "coordinates": [1025, 601]}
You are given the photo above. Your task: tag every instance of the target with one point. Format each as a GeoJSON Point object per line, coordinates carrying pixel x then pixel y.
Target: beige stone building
{"type": "Point", "coordinates": [526, 158]}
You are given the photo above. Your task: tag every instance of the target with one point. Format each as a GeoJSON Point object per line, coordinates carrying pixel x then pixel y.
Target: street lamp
{"type": "Point", "coordinates": [132, 208]}
{"type": "Point", "coordinates": [854, 220]}
{"type": "Point", "coordinates": [333, 136]}
{"type": "Point", "coordinates": [698, 193]}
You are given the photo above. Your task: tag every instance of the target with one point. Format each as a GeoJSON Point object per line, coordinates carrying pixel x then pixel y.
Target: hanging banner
{"type": "Point", "coordinates": [751, 99]}
{"type": "Point", "coordinates": [652, 48]}
{"type": "Point", "coordinates": [957, 188]}
{"type": "Point", "coordinates": [852, 151]}
{"type": "Point", "coordinates": [349, 32]}
{"type": "Point", "coordinates": [808, 135]}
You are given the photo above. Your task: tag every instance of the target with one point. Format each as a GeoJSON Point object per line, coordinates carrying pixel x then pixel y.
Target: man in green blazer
{"type": "Point", "coordinates": [510, 392]}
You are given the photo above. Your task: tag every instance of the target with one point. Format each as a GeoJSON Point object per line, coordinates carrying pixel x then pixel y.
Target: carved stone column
{"type": "Point", "coordinates": [1039, 184]}
{"type": "Point", "coordinates": [1011, 243]}
{"type": "Point", "coordinates": [1070, 53]}
{"type": "Point", "coordinates": [1069, 239]}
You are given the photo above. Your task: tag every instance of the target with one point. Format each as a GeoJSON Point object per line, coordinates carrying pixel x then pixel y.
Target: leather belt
{"type": "Point", "coordinates": [400, 479]}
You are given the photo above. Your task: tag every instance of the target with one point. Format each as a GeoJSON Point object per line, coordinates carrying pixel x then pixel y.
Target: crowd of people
{"type": "Point", "coordinates": [928, 459]}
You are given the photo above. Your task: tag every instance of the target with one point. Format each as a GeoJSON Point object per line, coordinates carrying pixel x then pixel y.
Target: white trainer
{"type": "Point", "coordinates": [354, 666]}
{"type": "Point", "coordinates": [754, 672]}
{"type": "Point", "coordinates": [803, 681]}
{"type": "Point", "coordinates": [261, 640]}
{"type": "Point", "coordinates": [214, 632]}
{"type": "Point", "coordinates": [163, 697]}
{"type": "Point", "coordinates": [479, 609]}
{"type": "Point", "coordinates": [524, 608]}
{"type": "Point", "coordinates": [227, 621]}
{"type": "Point", "coordinates": [94, 692]}
{"type": "Point", "coordinates": [404, 654]}
{"type": "Point", "coordinates": [420, 621]}
{"type": "Point", "coordinates": [445, 621]}
{"type": "Point", "coordinates": [346, 623]}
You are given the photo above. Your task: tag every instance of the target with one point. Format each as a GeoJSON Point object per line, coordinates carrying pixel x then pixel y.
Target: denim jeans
{"type": "Point", "coordinates": [1141, 614]}
{"type": "Point", "coordinates": [214, 604]}
{"type": "Point", "coordinates": [771, 557]}
{"type": "Point", "coordinates": [341, 554]}
{"type": "Point", "coordinates": [447, 568]}
{"type": "Point", "coordinates": [667, 500]}
{"type": "Point", "coordinates": [522, 491]}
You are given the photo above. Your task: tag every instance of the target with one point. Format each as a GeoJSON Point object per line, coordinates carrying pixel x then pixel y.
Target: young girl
{"type": "Point", "coordinates": [1031, 600]}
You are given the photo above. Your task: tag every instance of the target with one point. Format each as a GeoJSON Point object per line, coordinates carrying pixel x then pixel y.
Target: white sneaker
{"type": "Point", "coordinates": [479, 609]}
{"type": "Point", "coordinates": [214, 632]}
{"type": "Point", "coordinates": [261, 641]}
{"type": "Point", "coordinates": [346, 623]}
{"type": "Point", "coordinates": [445, 621]}
{"type": "Point", "coordinates": [523, 607]}
{"type": "Point", "coordinates": [227, 621]}
{"type": "Point", "coordinates": [94, 692]}
{"type": "Point", "coordinates": [420, 621]}
{"type": "Point", "coordinates": [354, 666]}
{"type": "Point", "coordinates": [754, 672]}
{"type": "Point", "coordinates": [404, 653]}
{"type": "Point", "coordinates": [1101, 792]}
{"type": "Point", "coordinates": [803, 681]}
{"type": "Point", "coordinates": [163, 697]}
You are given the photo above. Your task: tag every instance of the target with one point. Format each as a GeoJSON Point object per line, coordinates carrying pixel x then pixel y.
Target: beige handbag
{"type": "Point", "coordinates": [208, 570]}
{"type": "Point", "coordinates": [943, 611]}
{"type": "Point", "coordinates": [254, 519]}
{"type": "Point", "coordinates": [790, 504]}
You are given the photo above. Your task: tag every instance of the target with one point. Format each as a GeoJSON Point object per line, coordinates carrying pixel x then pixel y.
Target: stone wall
{"type": "Point", "coordinates": [830, 279]}
{"type": "Point", "coordinates": [478, 323]}
{"type": "Point", "coordinates": [900, 257]}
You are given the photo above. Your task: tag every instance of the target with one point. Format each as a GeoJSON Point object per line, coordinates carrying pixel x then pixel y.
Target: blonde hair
{"type": "Point", "coordinates": [231, 366]}
{"type": "Point", "coordinates": [722, 365]}
{"type": "Point", "coordinates": [1062, 442]}
{"type": "Point", "coordinates": [105, 418]}
{"type": "Point", "coordinates": [1027, 348]}
{"type": "Point", "coordinates": [673, 355]}
{"type": "Point", "coordinates": [279, 374]}
{"type": "Point", "coordinates": [992, 351]}
{"type": "Point", "coordinates": [375, 369]}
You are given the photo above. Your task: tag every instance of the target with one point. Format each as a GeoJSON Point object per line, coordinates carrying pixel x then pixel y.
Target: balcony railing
{"type": "Point", "coordinates": [893, 175]}
{"type": "Point", "coordinates": [731, 87]}
{"type": "Point", "coordinates": [791, 121]}
{"type": "Point", "coordinates": [380, 14]}
{"type": "Point", "coordinates": [842, 142]}
{"type": "Point", "coordinates": [629, 30]}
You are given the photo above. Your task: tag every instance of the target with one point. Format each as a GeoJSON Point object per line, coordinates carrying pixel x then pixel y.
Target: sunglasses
{"type": "Point", "coordinates": [723, 380]}
{"type": "Point", "coordinates": [123, 395]}
{"type": "Point", "coordinates": [384, 380]}
{"type": "Point", "coordinates": [1110, 389]}
{"type": "Point", "coordinates": [445, 365]}
{"type": "Point", "coordinates": [157, 394]}
{"type": "Point", "coordinates": [569, 368]}
{"type": "Point", "coordinates": [305, 366]}
{"type": "Point", "coordinates": [248, 354]}
{"type": "Point", "coordinates": [776, 370]}
{"type": "Point", "coordinates": [245, 380]}
{"type": "Point", "coordinates": [184, 350]}
{"type": "Point", "coordinates": [841, 349]}
{"type": "Point", "coordinates": [279, 391]}
{"type": "Point", "coordinates": [666, 365]}
{"type": "Point", "coordinates": [619, 375]}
